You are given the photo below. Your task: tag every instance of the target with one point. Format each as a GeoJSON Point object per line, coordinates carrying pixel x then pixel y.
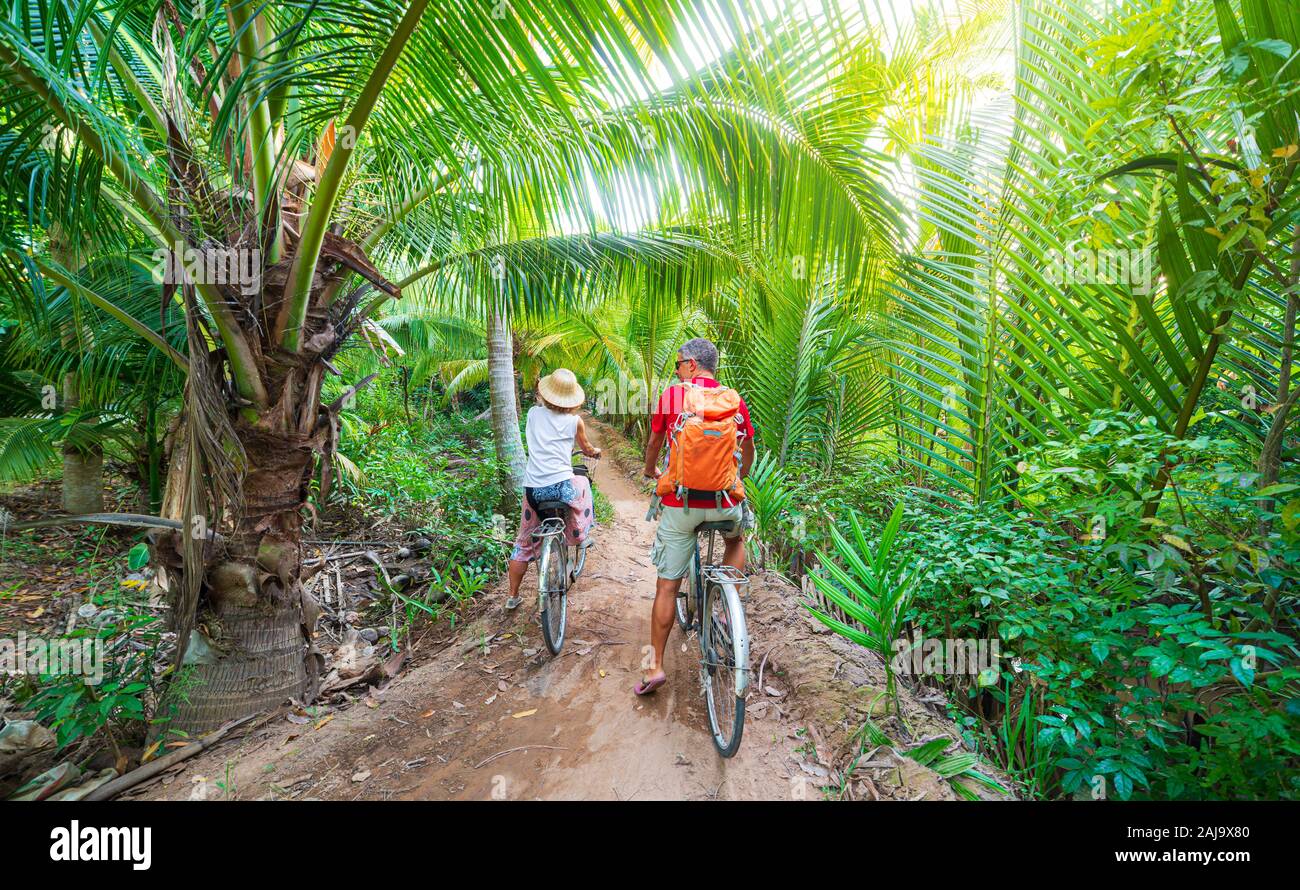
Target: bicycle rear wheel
{"type": "Point", "coordinates": [551, 584]}
{"type": "Point", "coordinates": [578, 562]}
{"type": "Point", "coordinates": [725, 644]}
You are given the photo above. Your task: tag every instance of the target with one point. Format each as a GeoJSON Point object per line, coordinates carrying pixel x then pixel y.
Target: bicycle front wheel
{"type": "Point", "coordinates": [725, 642]}
{"type": "Point", "coordinates": [689, 595]}
{"type": "Point", "coordinates": [551, 586]}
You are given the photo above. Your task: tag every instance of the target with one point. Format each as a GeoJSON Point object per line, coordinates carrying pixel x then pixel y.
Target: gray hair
{"type": "Point", "coordinates": [702, 351]}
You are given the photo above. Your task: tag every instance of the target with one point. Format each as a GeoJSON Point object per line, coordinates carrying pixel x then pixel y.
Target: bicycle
{"type": "Point", "coordinates": [556, 570]}
{"type": "Point", "coordinates": [714, 590]}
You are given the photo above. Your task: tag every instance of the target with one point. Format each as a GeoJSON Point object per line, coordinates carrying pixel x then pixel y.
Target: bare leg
{"type": "Point", "coordinates": [733, 553]}
{"type": "Point", "coordinates": [516, 576]}
{"type": "Point", "coordinates": [661, 623]}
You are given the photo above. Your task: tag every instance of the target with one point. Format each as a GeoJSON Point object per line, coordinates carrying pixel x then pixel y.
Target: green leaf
{"type": "Point", "coordinates": [138, 558]}
{"type": "Point", "coordinates": [1244, 675]}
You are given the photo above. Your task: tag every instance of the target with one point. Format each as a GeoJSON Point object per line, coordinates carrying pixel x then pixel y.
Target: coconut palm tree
{"type": "Point", "coordinates": [124, 390]}
{"type": "Point", "coordinates": [298, 165]}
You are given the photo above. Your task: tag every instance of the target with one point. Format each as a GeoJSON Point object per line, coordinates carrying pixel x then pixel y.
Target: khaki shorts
{"type": "Point", "coordinates": [675, 537]}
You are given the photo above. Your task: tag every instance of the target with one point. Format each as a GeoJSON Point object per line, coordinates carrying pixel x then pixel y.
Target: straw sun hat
{"type": "Point", "coordinates": [561, 389]}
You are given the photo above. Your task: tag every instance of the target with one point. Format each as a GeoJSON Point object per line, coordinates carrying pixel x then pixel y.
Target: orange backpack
{"type": "Point", "coordinates": [704, 447]}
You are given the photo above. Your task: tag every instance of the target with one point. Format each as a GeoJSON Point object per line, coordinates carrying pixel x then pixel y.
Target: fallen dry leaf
{"type": "Point", "coordinates": [527, 713]}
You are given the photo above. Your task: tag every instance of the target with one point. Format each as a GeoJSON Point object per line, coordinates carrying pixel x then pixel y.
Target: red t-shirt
{"type": "Point", "coordinates": [665, 416]}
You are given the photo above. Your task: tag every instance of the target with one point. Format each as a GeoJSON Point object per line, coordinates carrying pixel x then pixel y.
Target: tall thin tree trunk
{"type": "Point", "coordinates": [153, 455]}
{"type": "Point", "coordinates": [83, 470]}
{"type": "Point", "coordinates": [505, 411]}
{"type": "Point", "coordinates": [83, 481]}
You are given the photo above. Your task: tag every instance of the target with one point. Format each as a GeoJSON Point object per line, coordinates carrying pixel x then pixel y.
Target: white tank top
{"type": "Point", "coordinates": [550, 446]}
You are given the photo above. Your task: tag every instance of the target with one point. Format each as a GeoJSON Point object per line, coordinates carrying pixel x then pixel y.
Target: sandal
{"type": "Point", "coordinates": [644, 688]}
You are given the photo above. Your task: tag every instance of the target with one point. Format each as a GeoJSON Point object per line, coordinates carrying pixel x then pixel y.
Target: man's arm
{"type": "Point", "coordinates": [746, 456]}
{"type": "Point", "coordinates": [652, 448]}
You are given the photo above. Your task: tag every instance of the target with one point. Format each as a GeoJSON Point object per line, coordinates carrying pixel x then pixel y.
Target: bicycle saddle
{"type": "Point", "coordinates": [545, 507]}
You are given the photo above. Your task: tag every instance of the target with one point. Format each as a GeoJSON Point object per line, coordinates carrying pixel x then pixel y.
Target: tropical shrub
{"type": "Point", "coordinates": [871, 589]}
{"type": "Point", "coordinates": [1144, 651]}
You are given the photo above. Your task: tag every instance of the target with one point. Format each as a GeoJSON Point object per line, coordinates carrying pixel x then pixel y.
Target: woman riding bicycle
{"type": "Point", "coordinates": [552, 428]}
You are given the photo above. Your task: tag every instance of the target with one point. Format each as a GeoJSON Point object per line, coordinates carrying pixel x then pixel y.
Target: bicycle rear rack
{"type": "Point", "coordinates": [549, 528]}
{"type": "Point", "coordinates": [724, 574]}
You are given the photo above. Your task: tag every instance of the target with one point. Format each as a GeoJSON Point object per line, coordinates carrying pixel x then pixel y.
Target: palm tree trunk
{"type": "Point", "coordinates": [83, 481]}
{"type": "Point", "coordinates": [247, 629]}
{"type": "Point", "coordinates": [505, 410]}
{"type": "Point", "coordinates": [83, 470]}
{"type": "Point", "coordinates": [249, 645]}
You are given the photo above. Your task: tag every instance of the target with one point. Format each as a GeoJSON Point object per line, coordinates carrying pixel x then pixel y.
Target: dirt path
{"type": "Point", "coordinates": [487, 713]}
{"type": "Point", "coordinates": [572, 726]}
{"type": "Point", "coordinates": [607, 743]}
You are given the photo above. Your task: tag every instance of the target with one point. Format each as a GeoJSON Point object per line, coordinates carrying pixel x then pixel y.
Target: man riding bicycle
{"type": "Point", "coordinates": [697, 410]}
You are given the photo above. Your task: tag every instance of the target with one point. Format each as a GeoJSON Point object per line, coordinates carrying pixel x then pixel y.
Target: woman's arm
{"type": "Point", "coordinates": [584, 444]}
